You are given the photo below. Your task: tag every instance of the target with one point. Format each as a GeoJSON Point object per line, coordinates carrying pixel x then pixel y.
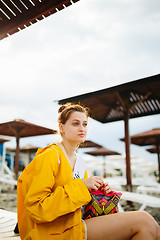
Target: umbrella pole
{"type": "Point", "coordinates": [104, 168]}
{"type": "Point", "coordinates": [29, 157]}
{"type": "Point", "coordinates": [158, 162]}
{"type": "Point", "coordinates": [127, 146]}
{"type": "Point", "coordinates": [17, 157]}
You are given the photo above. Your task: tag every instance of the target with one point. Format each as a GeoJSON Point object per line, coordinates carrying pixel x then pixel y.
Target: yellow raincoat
{"type": "Point", "coordinates": [49, 199]}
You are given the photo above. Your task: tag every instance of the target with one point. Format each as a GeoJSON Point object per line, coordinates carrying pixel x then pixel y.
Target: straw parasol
{"type": "Point", "coordinates": [153, 149]}
{"type": "Point", "coordinates": [19, 129]}
{"type": "Point", "coordinates": [89, 144]}
{"type": "Point", "coordinates": [130, 100]}
{"type": "Point", "coordinates": [26, 149]}
{"type": "Point", "coordinates": [3, 140]}
{"type": "Point", "coordinates": [102, 152]}
{"type": "Point", "coordinates": [151, 137]}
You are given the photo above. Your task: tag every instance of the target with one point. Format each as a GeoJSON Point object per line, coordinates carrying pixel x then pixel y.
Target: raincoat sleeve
{"type": "Point", "coordinates": [85, 175]}
{"type": "Point", "coordinates": [45, 202]}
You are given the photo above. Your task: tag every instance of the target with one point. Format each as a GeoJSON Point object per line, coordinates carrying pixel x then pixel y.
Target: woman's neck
{"type": "Point", "coordinates": [70, 152]}
{"type": "Point", "coordinates": [69, 148]}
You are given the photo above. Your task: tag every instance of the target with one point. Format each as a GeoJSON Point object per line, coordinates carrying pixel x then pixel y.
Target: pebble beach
{"type": "Point", "coordinates": [8, 201]}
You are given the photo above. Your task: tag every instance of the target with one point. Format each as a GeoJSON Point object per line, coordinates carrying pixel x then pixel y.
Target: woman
{"type": "Point", "coordinates": [54, 186]}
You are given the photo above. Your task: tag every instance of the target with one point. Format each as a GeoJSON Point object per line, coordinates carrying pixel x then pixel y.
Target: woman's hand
{"type": "Point", "coordinates": [94, 183]}
{"type": "Point", "coordinates": [106, 188]}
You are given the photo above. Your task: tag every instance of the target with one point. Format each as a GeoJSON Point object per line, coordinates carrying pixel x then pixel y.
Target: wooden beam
{"type": "Point", "coordinates": [122, 101]}
{"type": "Point", "coordinates": [30, 15]}
{"type": "Point", "coordinates": [141, 100]}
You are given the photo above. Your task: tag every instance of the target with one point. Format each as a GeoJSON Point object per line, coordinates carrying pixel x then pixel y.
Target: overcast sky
{"type": "Point", "coordinates": [91, 45]}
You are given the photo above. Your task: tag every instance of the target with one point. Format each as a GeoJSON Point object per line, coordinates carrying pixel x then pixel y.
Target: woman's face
{"type": "Point", "coordinates": [75, 128]}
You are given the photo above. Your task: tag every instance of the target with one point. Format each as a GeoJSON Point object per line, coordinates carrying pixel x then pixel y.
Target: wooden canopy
{"type": "Point", "coordinates": [151, 137]}
{"type": "Point", "coordinates": [2, 140]}
{"type": "Point", "coordinates": [153, 149]}
{"type": "Point", "coordinates": [130, 100]}
{"type": "Point", "coordinates": [89, 144]}
{"type": "Point", "coordinates": [23, 129]}
{"type": "Point", "coordinates": [20, 128]}
{"type": "Point", "coordinates": [16, 15]}
{"type": "Point", "coordinates": [26, 149]}
{"type": "Point", "coordinates": [102, 152]}
{"type": "Point", "coordinates": [138, 98]}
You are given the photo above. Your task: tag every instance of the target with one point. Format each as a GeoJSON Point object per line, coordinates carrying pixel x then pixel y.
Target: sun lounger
{"type": "Point", "coordinates": [8, 181]}
{"type": "Point", "coordinates": [8, 222]}
{"type": "Point", "coordinates": [148, 189]}
{"type": "Point", "coordinates": [6, 175]}
{"type": "Point", "coordinates": [143, 199]}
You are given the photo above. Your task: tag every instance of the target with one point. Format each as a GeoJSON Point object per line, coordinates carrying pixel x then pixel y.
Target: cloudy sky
{"type": "Point", "coordinates": [88, 46]}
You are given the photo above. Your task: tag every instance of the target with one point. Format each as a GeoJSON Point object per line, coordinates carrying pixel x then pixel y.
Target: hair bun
{"type": "Point", "coordinates": [67, 109]}
{"type": "Point", "coordinates": [61, 108]}
{"type": "Point", "coordinates": [64, 107]}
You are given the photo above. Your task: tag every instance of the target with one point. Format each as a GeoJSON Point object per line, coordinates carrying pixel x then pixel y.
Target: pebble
{"type": "Point", "coordinates": [8, 199]}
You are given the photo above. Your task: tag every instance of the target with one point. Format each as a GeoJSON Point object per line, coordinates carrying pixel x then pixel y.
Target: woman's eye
{"type": "Point", "coordinates": [75, 123]}
{"type": "Point", "coordinates": [85, 124]}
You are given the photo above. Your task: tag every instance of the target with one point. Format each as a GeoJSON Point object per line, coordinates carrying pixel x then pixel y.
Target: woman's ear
{"type": "Point", "coordinates": [61, 128]}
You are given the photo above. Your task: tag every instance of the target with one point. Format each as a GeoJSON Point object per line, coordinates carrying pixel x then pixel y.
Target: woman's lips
{"type": "Point", "coordinates": [81, 135]}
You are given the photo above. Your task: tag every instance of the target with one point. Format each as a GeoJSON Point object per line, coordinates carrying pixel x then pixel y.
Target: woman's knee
{"type": "Point", "coordinates": [148, 223]}
{"type": "Point", "coordinates": [158, 232]}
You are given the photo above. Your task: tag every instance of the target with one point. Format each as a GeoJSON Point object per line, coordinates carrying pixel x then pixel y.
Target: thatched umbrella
{"type": "Point", "coordinates": [151, 137]}
{"type": "Point", "coordinates": [89, 144]}
{"type": "Point", "coordinates": [153, 149]}
{"type": "Point", "coordinates": [122, 102]}
{"type": "Point", "coordinates": [2, 140]}
{"type": "Point", "coordinates": [19, 129]}
{"type": "Point", "coordinates": [102, 152]}
{"type": "Point", "coordinates": [26, 149]}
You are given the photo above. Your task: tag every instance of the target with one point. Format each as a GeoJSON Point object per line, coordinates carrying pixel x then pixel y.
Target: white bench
{"type": "Point", "coordinates": [148, 189]}
{"type": "Point", "coordinates": [8, 222]}
{"type": "Point", "coordinates": [143, 199]}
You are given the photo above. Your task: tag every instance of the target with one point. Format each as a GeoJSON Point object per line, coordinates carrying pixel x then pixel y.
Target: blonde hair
{"type": "Point", "coordinates": [67, 109]}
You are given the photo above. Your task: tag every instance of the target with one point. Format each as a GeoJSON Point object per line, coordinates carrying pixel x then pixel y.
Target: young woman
{"type": "Point", "coordinates": [54, 186]}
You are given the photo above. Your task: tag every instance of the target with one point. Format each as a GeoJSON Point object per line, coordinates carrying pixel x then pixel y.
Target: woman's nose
{"type": "Point", "coordinates": [81, 128]}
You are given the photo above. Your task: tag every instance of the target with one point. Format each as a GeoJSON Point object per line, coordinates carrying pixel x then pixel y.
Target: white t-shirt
{"type": "Point", "coordinates": [79, 168]}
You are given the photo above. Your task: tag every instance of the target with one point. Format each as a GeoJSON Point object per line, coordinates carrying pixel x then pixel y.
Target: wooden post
{"type": "Point", "coordinates": [158, 153]}
{"type": "Point", "coordinates": [127, 147]}
{"type": "Point", "coordinates": [29, 157]}
{"type": "Point", "coordinates": [17, 157]}
{"type": "Point", "coordinates": [104, 168]}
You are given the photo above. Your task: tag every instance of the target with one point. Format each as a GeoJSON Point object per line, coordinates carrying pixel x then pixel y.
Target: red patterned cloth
{"type": "Point", "coordinates": [101, 204]}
